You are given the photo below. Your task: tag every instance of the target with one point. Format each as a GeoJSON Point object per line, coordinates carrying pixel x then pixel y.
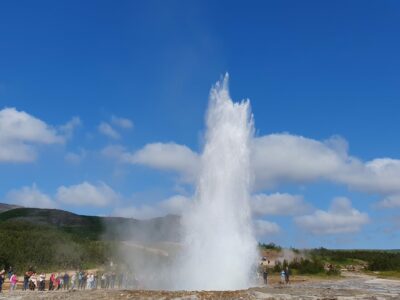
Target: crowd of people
{"type": "Point", "coordinates": [83, 280]}
{"type": "Point", "coordinates": [67, 280]}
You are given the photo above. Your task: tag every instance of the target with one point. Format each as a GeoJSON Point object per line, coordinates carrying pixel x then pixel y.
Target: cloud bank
{"type": "Point", "coordinates": [264, 228]}
{"type": "Point", "coordinates": [161, 156]}
{"type": "Point", "coordinates": [340, 218]}
{"type": "Point", "coordinates": [278, 159]}
{"type": "Point", "coordinates": [83, 194]}
{"type": "Point", "coordinates": [21, 134]}
{"type": "Point", "coordinates": [282, 204]}
{"type": "Point", "coordinates": [86, 193]}
{"type": "Point", "coordinates": [30, 196]}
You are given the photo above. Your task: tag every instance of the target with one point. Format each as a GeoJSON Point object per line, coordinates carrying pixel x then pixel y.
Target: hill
{"type": "Point", "coordinates": [52, 238]}
{"type": "Point", "coordinates": [4, 207]}
{"type": "Point", "coordinates": [98, 228]}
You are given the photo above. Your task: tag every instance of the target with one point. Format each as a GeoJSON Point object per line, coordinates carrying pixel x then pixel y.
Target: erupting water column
{"type": "Point", "coordinates": [219, 246]}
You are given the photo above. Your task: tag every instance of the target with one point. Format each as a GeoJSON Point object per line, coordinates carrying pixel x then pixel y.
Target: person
{"type": "Point", "coordinates": [103, 281]}
{"type": "Point", "coordinates": [2, 275]}
{"type": "Point", "coordinates": [108, 277]}
{"type": "Point", "coordinates": [80, 279]}
{"type": "Point", "coordinates": [120, 279]}
{"type": "Point", "coordinates": [42, 281]}
{"type": "Point", "coordinates": [113, 277]}
{"type": "Point", "coordinates": [10, 272]}
{"type": "Point", "coordinates": [60, 280]}
{"type": "Point", "coordinates": [90, 281]}
{"type": "Point", "coordinates": [96, 280]}
{"type": "Point", "coordinates": [84, 280]}
{"type": "Point", "coordinates": [287, 275]}
{"type": "Point", "coordinates": [265, 275]}
{"type": "Point", "coordinates": [66, 281]}
{"type": "Point", "coordinates": [13, 282]}
{"type": "Point", "coordinates": [27, 277]}
{"type": "Point", "coordinates": [33, 282]}
{"type": "Point", "coordinates": [73, 280]}
{"type": "Point", "coordinates": [51, 282]}
{"type": "Point", "coordinates": [283, 276]}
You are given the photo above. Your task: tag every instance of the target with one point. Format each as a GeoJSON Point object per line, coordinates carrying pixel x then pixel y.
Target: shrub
{"type": "Point", "coordinates": [270, 246]}
{"type": "Point", "coordinates": [307, 266]}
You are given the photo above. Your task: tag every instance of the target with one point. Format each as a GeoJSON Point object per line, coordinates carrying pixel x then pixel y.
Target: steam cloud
{"type": "Point", "coordinates": [217, 249]}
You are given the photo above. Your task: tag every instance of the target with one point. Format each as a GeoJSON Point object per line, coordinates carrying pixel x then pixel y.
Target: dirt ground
{"type": "Point", "coordinates": [352, 286]}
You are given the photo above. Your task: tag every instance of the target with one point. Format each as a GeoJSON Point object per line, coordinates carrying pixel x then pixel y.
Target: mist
{"type": "Point", "coordinates": [214, 247]}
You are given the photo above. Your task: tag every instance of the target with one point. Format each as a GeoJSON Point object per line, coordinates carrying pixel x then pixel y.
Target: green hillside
{"type": "Point", "coordinates": [54, 239]}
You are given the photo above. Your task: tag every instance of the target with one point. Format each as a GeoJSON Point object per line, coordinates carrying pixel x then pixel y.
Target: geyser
{"type": "Point", "coordinates": [219, 249]}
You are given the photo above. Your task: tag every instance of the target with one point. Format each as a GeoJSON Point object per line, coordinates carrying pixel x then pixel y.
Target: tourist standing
{"type": "Point", "coordinates": [33, 282]}
{"type": "Point", "coordinates": [80, 280]}
{"type": "Point", "coordinates": [265, 275]}
{"type": "Point", "coordinates": [287, 275]}
{"type": "Point", "coordinates": [66, 281]}
{"type": "Point", "coordinates": [42, 281]}
{"type": "Point", "coordinates": [13, 282]}
{"type": "Point", "coordinates": [96, 280]}
{"type": "Point", "coordinates": [10, 272]}
{"type": "Point", "coordinates": [113, 277]}
{"type": "Point", "coordinates": [51, 282]}
{"type": "Point", "coordinates": [2, 278]}
{"type": "Point", "coordinates": [120, 279]}
{"type": "Point", "coordinates": [283, 277]}
{"type": "Point", "coordinates": [103, 281]}
{"type": "Point", "coordinates": [60, 278]}
{"type": "Point", "coordinates": [73, 281]}
{"type": "Point", "coordinates": [58, 282]}
{"type": "Point", "coordinates": [27, 277]}
{"type": "Point", "coordinates": [108, 278]}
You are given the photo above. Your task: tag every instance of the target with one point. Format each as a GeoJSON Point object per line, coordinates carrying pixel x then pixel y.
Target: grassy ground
{"type": "Point", "coordinates": [385, 274]}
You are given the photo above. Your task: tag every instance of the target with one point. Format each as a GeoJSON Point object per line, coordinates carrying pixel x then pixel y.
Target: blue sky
{"type": "Point", "coordinates": [93, 83]}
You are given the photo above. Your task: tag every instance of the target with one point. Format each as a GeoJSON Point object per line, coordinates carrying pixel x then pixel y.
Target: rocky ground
{"type": "Point", "coordinates": [353, 286]}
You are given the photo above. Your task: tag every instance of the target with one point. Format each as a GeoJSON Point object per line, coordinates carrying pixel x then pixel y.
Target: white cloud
{"type": "Point", "coordinates": [167, 157]}
{"type": "Point", "coordinates": [264, 228]}
{"type": "Point", "coordinates": [122, 122]}
{"type": "Point", "coordinates": [380, 175]}
{"type": "Point", "coordinates": [278, 204]}
{"type": "Point", "coordinates": [340, 218]}
{"type": "Point", "coordinates": [70, 126]}
{"type": "Point", "coordinates": [20, 133]}
{"type": "Point", "coordinates": [281, 158]}
{"type": "Point", "coordinates": [392, 201]}
{"type": "Point", "coordinates": [177, 205]}
{"type": "Point", "coordinates": [87, 194]}
{"type": "Point", "coordinates": [30, 196]}
{"type": "Point", "coordinates": [107, 130]}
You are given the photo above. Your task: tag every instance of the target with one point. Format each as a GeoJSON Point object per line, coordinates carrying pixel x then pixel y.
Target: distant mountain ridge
{"type": "Point", "coordinates": [161, 229]}
{"type": "Point", "coordinates": [4, 207]}
{"type": "Point", "coordinates": [57, 239]}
